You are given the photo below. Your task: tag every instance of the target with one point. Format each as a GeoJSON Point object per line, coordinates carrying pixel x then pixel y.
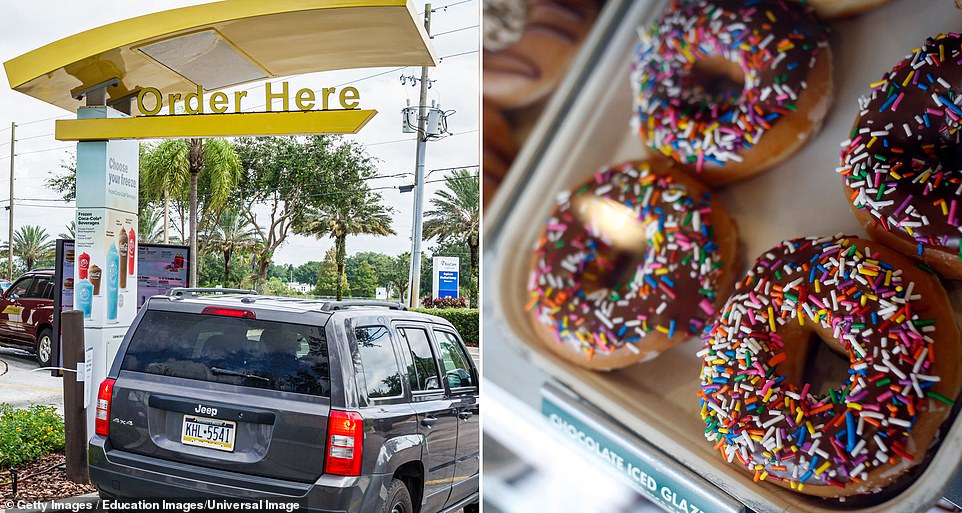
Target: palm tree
{"type": "Point", "coordinates": [71, 230]}
{"type": "Point", "coordinates": [233, 232]}
{"type": "Point", "coordinates": [174, 167]}
{"type": "Point", "coordinates": [32, 243]}
{"type": "Point", "coordinates": [455, 214]}
{"type": "Point", "coordinates": [355, 213]}
{"type": "Point", "coordinates": [149, 224]}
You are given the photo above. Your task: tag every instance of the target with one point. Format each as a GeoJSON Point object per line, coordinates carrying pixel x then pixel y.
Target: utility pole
{"type": "Point", "coordinates": [415, 273]}
{"type": "Point", "coordinates": [13, 140]}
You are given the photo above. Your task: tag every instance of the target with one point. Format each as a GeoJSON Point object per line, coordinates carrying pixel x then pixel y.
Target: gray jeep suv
{"type": "Point", "coordinates": [340, 406]}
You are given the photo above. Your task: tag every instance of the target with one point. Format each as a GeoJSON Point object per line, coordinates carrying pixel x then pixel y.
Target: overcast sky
{"type": "Point", "coordinates": [28, 25]}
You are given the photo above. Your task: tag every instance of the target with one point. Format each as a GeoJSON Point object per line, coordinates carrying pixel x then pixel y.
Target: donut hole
{"type": "Point", "coordinates": [718, 80]}
{"type": "Point", "coordinates": [814, 360]}
{"type": "Point", "coordinates": [620, 239]}
{"type": "Point", "coordinates": [825, 369]}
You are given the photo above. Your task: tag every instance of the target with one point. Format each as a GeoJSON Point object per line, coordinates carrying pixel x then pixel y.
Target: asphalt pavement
{"type": "Point", "coordinates": [22, 385]}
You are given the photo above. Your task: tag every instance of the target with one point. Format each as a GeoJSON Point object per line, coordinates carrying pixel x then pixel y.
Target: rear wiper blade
{"type": "Point", "coordinates": [228, 372]}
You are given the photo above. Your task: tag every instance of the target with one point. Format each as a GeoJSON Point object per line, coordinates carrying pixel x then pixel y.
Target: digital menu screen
{"type": "Point", "coordinates": [161, 268]}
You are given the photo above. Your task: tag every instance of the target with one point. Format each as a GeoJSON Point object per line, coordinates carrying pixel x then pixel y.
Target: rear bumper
{"type": "Point", "coordinates": [124, 474]}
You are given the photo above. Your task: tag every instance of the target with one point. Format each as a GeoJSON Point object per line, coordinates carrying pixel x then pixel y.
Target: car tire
{"type": "Point", "coordinates": [398, 499]}
{"type": "Point", "coordinates": [472, 508]}
{"type": "Point", "coordinates": [44, 347]}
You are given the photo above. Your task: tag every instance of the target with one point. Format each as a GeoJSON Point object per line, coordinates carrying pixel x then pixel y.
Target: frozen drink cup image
{"type": "Point", "coordinates": [83, 265]}
{"type": "Point", "coordinates": [85, 297]}
{"type": "Point", "coordinates": [112, 277]}
{"type": "Point", "coordinates": [95, 274]}
{"type": "Point", "coordinates": [131, 251]}
{"type": "Point", "coordinates": [179, 261]}
{"type": "Point", "coordinates": [123, 258]}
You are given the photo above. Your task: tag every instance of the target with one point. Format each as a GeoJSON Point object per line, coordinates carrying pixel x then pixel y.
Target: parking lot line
{"type": "Point", "coordinates": [28, 387]}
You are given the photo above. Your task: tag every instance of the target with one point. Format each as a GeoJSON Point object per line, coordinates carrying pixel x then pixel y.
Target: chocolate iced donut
{"type": "Point", "coordinates": [730, 88]}
{"type": "Point", "coordinates": [891, 320]}
{"type": "Point", "coordinates": [901, 165]}
{"type": "Point", "coordinates": [631, 262]}
{"type": "Point", "coordinates": [528, 45]}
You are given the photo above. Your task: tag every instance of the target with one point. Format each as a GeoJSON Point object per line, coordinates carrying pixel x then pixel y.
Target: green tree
{"type": "Point", "coordinates": [365, 282]}
{"type": "Point", "coordinates": [455, 215]}
{"type": "Point", "coordinates": [211, 271]}
{"type": "Point", "coordinates": [397, 274]}
{"type": "Point", "coordinates": [354, 210]}
{"type": "Point", "coordinates": [379, 262]}
{"type": "Point", "coordinates": [307, 272]}
{"type": "Point", "coordinates": [65, 184]}
{"type": "Point", "coordinates": [149, 224]}
{"type": "Point", "coordinates": [176, 166]}
{"type": "Point", "coordinates": [70, 231]}
{"type": "Point", "coordinates": [283, 178]}
{"type": "Point", "coordinates": [32, 244]}
{"type": "Point", "coordinates": [233, 233]}
{"type": "Point", "coordinates": [327, 277]}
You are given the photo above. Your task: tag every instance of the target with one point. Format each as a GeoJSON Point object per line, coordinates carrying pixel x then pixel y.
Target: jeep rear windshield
{"type": "Point", "coordinates": [246, 352]}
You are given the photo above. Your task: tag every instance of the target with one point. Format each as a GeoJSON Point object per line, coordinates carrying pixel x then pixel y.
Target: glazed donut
{"type": "Point", "coordinates": [630, 263]}
{"type": "Point", "coordinates": [892, 321]}
{"type": "Point", "coordinates": [498, 150]}
{"type": "Point", "coordinates": [730, 88]}
{"type": "Point", "coordinates": [528, 45]}
{"type": "Point", "coordinates": [835, 9]}
{"type": "Point", "coordinates": [900, 166]}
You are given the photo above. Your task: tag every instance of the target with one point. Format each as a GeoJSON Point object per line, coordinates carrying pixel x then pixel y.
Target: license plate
{"type": "Point", "coordinates": [210, 433]}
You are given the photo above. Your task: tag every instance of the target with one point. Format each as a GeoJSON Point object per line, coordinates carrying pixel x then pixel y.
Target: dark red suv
{"type": "Point", "coordinates": [26, 314]}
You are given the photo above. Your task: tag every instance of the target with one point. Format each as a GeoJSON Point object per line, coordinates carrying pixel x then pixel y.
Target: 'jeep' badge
{"type": "Point", "coordinates": [205, 410]}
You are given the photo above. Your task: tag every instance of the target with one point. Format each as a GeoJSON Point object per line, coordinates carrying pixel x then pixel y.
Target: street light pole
{"type": "Point", "coordinates": [415, 268]}
{"type": "Point", "coordinates": [13, 141]}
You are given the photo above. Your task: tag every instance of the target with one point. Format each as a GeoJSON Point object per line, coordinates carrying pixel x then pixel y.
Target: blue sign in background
{"type": "Point", "coordinates": [448, 284]}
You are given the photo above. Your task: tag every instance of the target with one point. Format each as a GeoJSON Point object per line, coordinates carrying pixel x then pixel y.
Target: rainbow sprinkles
{"type": "Point", "coordinates": [901, 163]}
{"type": "Point", "coordinates": [782, 431]}
{"type": "Point", "coordinates": [598, 298]}
{"type": "Point", "coordinates": [773, 43]}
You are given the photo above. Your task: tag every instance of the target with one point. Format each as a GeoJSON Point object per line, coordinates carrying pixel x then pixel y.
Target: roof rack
{"type": "Point", "coordinates": [330, 306]}
{"type": "Point", "coordinates": [179, 292]}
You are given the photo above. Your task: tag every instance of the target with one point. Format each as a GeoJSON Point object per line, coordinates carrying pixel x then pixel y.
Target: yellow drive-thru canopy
{"type": "Point", "coordinates": [222, 44]}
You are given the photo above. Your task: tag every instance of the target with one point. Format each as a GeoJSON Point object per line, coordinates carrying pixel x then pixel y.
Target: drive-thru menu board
{"type": "Point", "coordinates": [161, 268]}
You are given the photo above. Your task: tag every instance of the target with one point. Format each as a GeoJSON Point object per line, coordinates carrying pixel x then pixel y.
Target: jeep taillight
{"type": "Point", "coordinates": [102, 423]}
{"type": "Point", "coordinates": [345, 436]}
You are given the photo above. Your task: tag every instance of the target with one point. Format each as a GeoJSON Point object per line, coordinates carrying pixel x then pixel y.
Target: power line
{"type": "Point", "coordinates": [456, 55]}
{"type": "Point", "coordinates": [61, 148]}
{"type": "Point", "coordinates": [42, 120]}
{"type": "Point", "coordinates": [453, 31]}
{"type": "Point", "coordinates": [32, 137]}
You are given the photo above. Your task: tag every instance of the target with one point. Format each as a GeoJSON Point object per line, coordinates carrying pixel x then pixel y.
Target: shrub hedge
{"type": "Point", "coordinates": [465, 320]}
{"type": "Point", "coordinates": [29, 433]}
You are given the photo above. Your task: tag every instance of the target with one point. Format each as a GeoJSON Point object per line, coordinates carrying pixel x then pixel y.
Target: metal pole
{"type": "Point", "coordinates": [13, 141]}
{"type": "Point", "coordinates": [75, 421]}
{"type": "Point", "coordinates": [414, 289]}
